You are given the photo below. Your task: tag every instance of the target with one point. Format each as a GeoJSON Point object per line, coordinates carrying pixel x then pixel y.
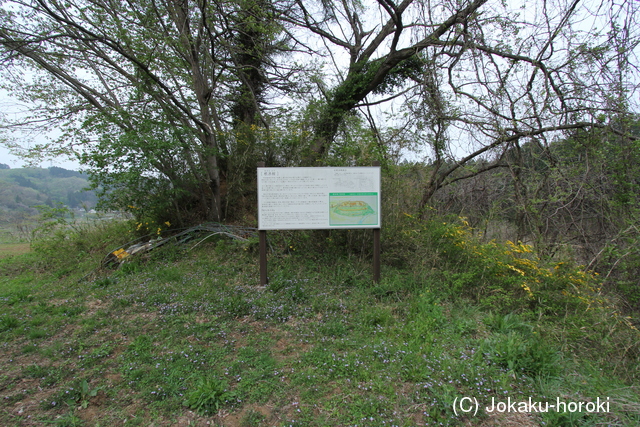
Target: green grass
{"type": "Point", "coordinates": [189, 337]}
{"type": "Point", "coordinates": [10, 249]}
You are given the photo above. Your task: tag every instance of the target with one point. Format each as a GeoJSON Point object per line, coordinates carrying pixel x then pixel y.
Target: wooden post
{"type": "Point", "coordinates": [262, 234]}
{"type": "Point", "coordinates": [376, 243]}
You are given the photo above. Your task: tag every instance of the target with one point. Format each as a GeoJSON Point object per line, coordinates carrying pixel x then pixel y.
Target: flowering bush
{"type": "Point", "coordinates": [500, 276]}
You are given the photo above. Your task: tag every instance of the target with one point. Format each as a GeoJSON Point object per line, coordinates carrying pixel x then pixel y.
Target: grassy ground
{"type": "Point", "coordinates": [187, 337]}
{"type": "Point", "coordinates": [9, 249]}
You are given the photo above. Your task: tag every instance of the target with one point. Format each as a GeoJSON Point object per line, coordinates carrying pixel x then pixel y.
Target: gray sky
{"type": "Point", "coordinates": [9, 106]}
{"type": "Point", "coordinates": [15, 162]}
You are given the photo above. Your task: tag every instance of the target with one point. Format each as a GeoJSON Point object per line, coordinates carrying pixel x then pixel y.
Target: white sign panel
{"type": "Point", "coordinates": [317, 198]}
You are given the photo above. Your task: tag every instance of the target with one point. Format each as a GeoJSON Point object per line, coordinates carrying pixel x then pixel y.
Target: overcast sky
{"type": "Point", "coordinates": [9, 106]}
{"type": "Point", "coordinates": [15, 162]}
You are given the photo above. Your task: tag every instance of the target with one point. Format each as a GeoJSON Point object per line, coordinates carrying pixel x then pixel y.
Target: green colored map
{"type": "Point", "coordinates": [353, 209]}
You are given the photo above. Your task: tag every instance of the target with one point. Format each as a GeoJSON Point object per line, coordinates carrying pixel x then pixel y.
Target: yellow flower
{"type": "Point", "coordinates": [517, 270]}
{"type": "Point", "coordinates": [520, 247]}
{"type": "Point", "coordinates": [527, 289]}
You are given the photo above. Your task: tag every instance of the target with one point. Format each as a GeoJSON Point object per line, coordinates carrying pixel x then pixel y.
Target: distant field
{"type": "Point", "coordinates": [7, 249]}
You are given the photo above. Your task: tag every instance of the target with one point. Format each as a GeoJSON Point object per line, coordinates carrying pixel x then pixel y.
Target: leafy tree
{"type": "Point", "coordinates": [144, 89]}
{"type": "Point", "coordinates": [169, 100]}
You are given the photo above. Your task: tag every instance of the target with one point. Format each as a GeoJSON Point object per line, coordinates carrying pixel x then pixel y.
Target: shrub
{"type": "Point", "coordinates": [523, 353]}
{"type": "Point", "coordinates": [67, 242]}
{"type": "Point", "coordinates": [209, 396]}
{"type": "Point", "coordinates": [501, 277]}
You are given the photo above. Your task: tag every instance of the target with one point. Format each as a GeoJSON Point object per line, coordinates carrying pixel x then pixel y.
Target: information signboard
{"type": "Point", "coordinates": [318, 198]}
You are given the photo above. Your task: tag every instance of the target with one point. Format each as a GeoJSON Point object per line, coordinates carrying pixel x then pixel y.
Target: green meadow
{"type": "Point", "coordinates": [184, 335]}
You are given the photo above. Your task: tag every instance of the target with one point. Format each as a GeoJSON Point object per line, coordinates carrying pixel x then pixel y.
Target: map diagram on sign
{"type": "Point", "coordinates": [353, 209]}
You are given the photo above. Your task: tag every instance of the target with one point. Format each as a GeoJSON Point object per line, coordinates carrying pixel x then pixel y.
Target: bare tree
{"type": "Point", "coordinates": [477, 78]}
{"type": "Point", "coordinates": [550, 81]}
{"type": "Point", "coordinates": [382, 50]}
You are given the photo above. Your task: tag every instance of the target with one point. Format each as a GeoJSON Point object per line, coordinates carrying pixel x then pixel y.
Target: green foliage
{"type": "Point", "coordinates": [60, 238]}
{"type": "Point", "coordinates": [498, 276]}
{"type": "Point", "coordinates": [252, 419]}
{"type": "Point", "coordinates": [506, 323]}
{"type": "Point", "coordinates": [8, 322]}
{"type": "Point", "coordinates": [411, 68]}
{"type": "Point", "coordinates": [529, 354]}
{"type": "Point", "coordinates": [377, 316]}
{"type": "Point", "coordinates": [619, 262]}
{"type": "Point", "coordinates": [20, 295]}
{"type": "Point", "coordinates": [321, 343]}
{"type": "Point", "coordinates": [426, 309]}
{"type": "Point", "coordinates": [78, 392]}
{"type": "Point", "coordinates": [133, 186]}
{"type": "Point", "coordinates": [69, 419]}
{"type": "Point", "coordinates": [87, 392]}
{"type": "Point", "coordinates": [208, 396]}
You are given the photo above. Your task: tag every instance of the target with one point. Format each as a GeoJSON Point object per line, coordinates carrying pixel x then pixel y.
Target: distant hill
{"type": "Point", "coordinates": [23, 188]}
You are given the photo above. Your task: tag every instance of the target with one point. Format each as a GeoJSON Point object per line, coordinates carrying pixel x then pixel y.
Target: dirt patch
{"type": "Point", "coordinates": [93, 305]}
{"type": "Point", "coordinates": [29, 406]}
{"type": "Point", "coordinates": [509, 419]}
{"type": "Point", "coordinates": [202, 319]}
{"type": "Point", "coordinates": [287, 348]}
{"type": "Point", "coordinates": [247, 415]}
{"type": "Point", "coordinates": [113, 378]}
